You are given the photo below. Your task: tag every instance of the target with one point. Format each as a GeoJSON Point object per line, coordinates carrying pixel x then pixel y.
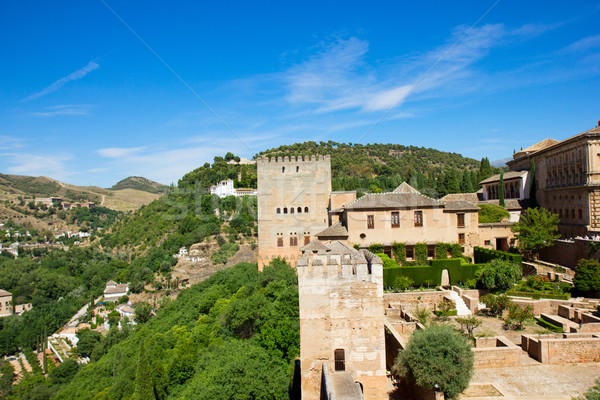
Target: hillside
{"type": "Point", "coordinates": [142, 184]}
{"type": "Point", "coordinates": [13, 187]}
{"type": "Point", "coordinates": [370, 167]}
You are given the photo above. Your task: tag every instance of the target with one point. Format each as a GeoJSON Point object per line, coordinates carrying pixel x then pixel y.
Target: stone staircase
{"type": "Point", "coordinates": [461, 308]}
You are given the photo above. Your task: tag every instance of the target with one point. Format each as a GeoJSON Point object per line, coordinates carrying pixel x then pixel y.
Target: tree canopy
{"type": "Point", "coordinates": [536, 229]}
{"type": "Point", "coordinates": [499, 275]}
{"type": "Point", "coordinates": [437, 355]}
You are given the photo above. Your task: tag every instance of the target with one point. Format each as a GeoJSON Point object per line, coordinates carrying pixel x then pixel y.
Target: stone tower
{"type": "Point", "coordinates": [293, 198]}
{"type": "Point", "coordinates": [341, 321]}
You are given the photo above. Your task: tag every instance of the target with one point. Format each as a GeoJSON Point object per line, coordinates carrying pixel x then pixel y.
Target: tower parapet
{"type": "Point", "coordinates": [341, 316]}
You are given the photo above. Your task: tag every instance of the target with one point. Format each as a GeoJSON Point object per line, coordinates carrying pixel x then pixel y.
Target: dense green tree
{"type": "Point", "coordinates": [499, 275]}
{"type": "Point", "coordinates": [144, 389]}
{"type": "Point", "coordinates": [437, 355]}
{"type": "Point", "coordinates": [143, 312]}
{"type": "Point", "coordinates": [64, 372]}
{"type": "Point", "coordinates": [536, 229]}
{"type": "Point", "coordinates": [587, 277]}
{"type": "Point", "coordinates": [88, 339]}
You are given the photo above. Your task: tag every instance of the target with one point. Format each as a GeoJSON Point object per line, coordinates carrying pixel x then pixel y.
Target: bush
{"type": "Point", "coordinates": [387, 261]}
{"type": "Point", "coordinates": [482, 255]}
{"type": "Point", "coordinates": [421, 253]}
{"type": "Point", "coordinates": [500, 275]}
{"type": "Point", "coordinates": [587, 277]}
{"type": "Point", "coordinates": [376, 248]}
{"type": "Point", "coordinates": [437, 355]}
{"type": "Point", "coordinates": [399, 252]}
{"type": "Point", "coordinates": [495, 304]}
{"type": "Point", "coordinates": [491, 213]}
{"type": "Point", "coordinates": [403, 283]}
{"type": "Point", "coordinates": [518, 316]}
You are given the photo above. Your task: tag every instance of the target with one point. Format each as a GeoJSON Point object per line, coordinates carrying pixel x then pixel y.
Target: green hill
{"type": "Point", "coordinates": [141, 184]}
{"type": "Point", "coordinates": [370, 167]}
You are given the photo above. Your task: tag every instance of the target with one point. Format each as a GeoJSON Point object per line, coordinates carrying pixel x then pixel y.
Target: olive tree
{"type": "Point", "coordinates": [437, 355]}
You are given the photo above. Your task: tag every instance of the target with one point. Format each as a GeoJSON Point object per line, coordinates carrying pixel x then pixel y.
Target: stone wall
{"type": "Point", "coordinates": [496, 352]}
{"type": "Point", "coordinates": [565, 348]}
{"type": "Point", "coordinates": [412, 300]}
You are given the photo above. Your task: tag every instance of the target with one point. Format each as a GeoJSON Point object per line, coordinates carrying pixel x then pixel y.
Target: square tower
{"type": "Point", "coordinates": [341, 319]}
{"type": "Point", "coordinates": [293, 201]}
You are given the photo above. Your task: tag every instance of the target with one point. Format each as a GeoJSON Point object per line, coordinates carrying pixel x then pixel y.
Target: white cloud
{"type": "Point", "coordinates": [75, 109]}
{"type": "Point", "coordinates": [582, 45]}
{"type": "Point", "coordinates": [119, 152]}
{"type": "Point", "coordinates": [10, 143]}
{"type": "Point", "coordinates": [73, 76]}
{"type": "Point", "coordinates": [36, 165]}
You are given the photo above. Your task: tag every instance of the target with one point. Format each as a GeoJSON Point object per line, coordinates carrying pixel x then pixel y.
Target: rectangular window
{"type": "Point", "coordinates": [460, 220]}
{"type": "Point", "coordinates": [293, 240]}
{"type": "Point", "coordinates": [418, 218]}
{"type": "Point", "coordinates": [572, 213]}
{"type": "Point", "coordinates": [580, 214]}
{"type": "Point", "coordinates": [306, 240]}
{"type": "Point", "coordinates": [461, 238]}
{"type": "Point", "coordinates": [430, 251]}
{"type": "Point", "coordinates": [370, 222]}
{"type": "Point", "coordinates": [410, 252]}
{"type": "Point", "coordinates": [279, 242]}
{"type": "Point", "coordinates": [487, 242]}
{"type": "Point", "coordinates": [395, 219]}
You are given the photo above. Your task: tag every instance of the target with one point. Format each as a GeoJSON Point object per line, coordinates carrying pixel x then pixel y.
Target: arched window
{"type": "Point", "coordinates": [305, 209]}
{"type": "Point", "coordinates": [291, 210]}
{"type": "Point", "coordinates": [299, 210]}
{"type": "Point", "coordinates": [285, 210]}
{"type": "Point", "coordinates": [278, 210]}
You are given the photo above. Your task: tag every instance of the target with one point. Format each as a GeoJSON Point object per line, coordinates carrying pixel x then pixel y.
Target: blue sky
{"type": "Point", "coordinates": [95, 91]}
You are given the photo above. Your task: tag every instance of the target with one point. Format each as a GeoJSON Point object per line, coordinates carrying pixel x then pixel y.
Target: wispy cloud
{"type": "Point", "coordinates": [74, 109]}
{"type": "Point", "coordinates": [118, 152]}
{"type": "Point", "coordinates": [36, 164]}
{"type": "Point", "coordinates": [73, 76]}
{"type": "Point", "coordinates": [10, 143]}
{"type": "Point", "coordinates": [584, 44]}
{"type": "Point", "coordinates": [340, 76]}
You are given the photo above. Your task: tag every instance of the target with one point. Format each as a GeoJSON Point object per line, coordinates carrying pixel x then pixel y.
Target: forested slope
{"type": "Point", "coordinates": [365, 168]}
{"type": "Point", "coordinates": [234, 335]}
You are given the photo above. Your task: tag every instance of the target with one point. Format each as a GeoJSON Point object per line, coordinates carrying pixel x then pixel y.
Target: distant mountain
{"type": "Point", "coordinates": [120, 199]}
{"type": "Point", "coordinates": [500, 163]}
{"type": "Point", "coordinates": [142, 184]}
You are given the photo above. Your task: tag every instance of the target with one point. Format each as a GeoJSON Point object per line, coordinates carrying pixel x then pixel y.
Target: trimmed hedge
{"type": "Point", "coordinates": [421, 274]}
{"type": "Point", "coordinates": [539, 295]}
{"type": "Point", "coordinates": [451, 313]}
{"type": "Point", "coordinates": [482, 256]}
{"type": "Point", "coordinates": [545, 324]}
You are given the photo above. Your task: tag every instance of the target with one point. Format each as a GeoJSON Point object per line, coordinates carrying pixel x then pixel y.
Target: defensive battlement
{"type": "Point", "coordinates": [266, 160]}
{"type": "Point", "coordinates": [358, 266]}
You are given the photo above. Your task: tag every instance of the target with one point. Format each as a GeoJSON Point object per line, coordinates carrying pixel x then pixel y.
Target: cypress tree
{"type": "Point", "coordinates": [501, 190]}
{"type": "Point", "coordinates": [465, 185]}
{"type": "Point", "coordinates": [532, 185]}
{"type": "Point", "coordinates": [143, 381]}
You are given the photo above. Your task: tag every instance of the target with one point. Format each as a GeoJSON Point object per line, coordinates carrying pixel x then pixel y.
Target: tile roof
{"type": "Point", "coordinates": [393, 200]}
{"type": "Point", "coordinates": [507, 175]}
{"type": "Point", "coordinates": [314, 245]}
{"type": "Point", "coordinates": [120, 288]}
{"type": "Point", "coordinates": [472, 198]}
{"type": "Point", "coordinates": [460, 205]}
{"type": "Point", "coordinates": [405, 188]}
{"type": "Point", "coordinates": [334, 230]}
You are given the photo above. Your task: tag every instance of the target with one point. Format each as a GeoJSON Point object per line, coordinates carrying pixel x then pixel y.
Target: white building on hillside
{"type": "Point", "coordinates": [225, 188]}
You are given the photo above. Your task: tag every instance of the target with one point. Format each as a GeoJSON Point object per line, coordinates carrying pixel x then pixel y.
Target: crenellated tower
{"type": "Point", "coordinates": [341, 318]}
{"type": "Point", "coordinates": [293, 197]}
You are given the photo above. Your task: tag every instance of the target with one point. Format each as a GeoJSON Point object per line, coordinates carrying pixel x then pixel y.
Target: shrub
{"type": "Point", "coordinates": [545, 324]}
{"type": "Point", "coordinates": [423, 315]}
{"type": "Point", "coordinates": [495, 304]}
{"type": "Point", "coordinates": [421, 253]}
{"type": "Point", "coordinates": [403, 282]}
{"type": "Point", "coordinates": [469, 324]}
{"type": "Point", "coordinates": [518, 316]}
{"type": "Point", "coordinates": [376, 248]}
{"type": "Point", "coordinates": [437, 355]}
{"type": "Point", "coordinates": [499, 275]}
{"type": "Point", "coordinates": [441, 250]}
{"type": "Point", "coordinates": [387, 261]}
{"type": "Point", "coordinates": [399, 252]}
{"type": "Point", "coordinates": [490, 213]}
{"type": "Point", "coordinates": [587, 277]}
